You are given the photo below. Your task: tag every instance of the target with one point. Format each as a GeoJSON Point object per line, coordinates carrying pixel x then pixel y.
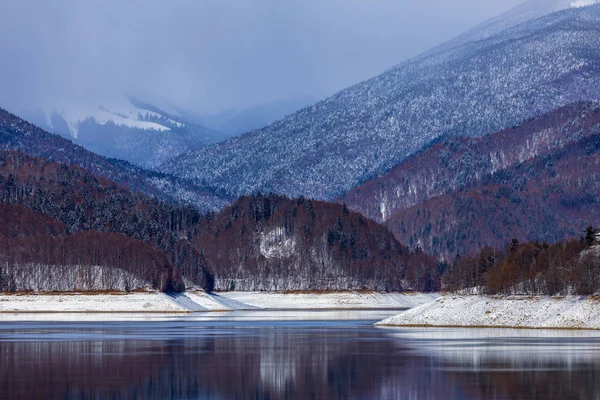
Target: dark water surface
{"type": "Point", "coordinates": [287, 355]}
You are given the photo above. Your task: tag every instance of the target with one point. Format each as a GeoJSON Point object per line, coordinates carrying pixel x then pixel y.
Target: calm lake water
{"type": "Point", "coordinates": [290, 355]}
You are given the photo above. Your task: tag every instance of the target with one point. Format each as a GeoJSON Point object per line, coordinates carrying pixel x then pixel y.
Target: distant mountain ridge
{"type": "Point", "coordinates": [129, 129]}
{"type": "Point", "coordinates": [363, 131]}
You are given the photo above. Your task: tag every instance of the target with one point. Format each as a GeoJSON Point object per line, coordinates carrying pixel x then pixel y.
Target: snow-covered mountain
{"type": "Point", "coordinates": [365, 130]}
{"type": "Point", "coordinates": [530, 9]}
{"type": "Point", "coordinates": [127, 129]}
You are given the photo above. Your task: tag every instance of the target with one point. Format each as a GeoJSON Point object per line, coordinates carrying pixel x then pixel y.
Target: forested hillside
{"type": "Point", "coordinates": [549, 198]}
{"type": "Point", "coordinates": [276, 243]}
{"type": "Point", "coordinates": [533, 268]}
{"type": "Point", "coordinates": [38, 254]}
{"type": "Point", "coordinates": [82, 202]}
{"type": "Point", "coordinates": [455, 164]}
{"type": "Point", "coordinates": [535, 181]}
{"type": "Point", "coordinates": [260, 243]}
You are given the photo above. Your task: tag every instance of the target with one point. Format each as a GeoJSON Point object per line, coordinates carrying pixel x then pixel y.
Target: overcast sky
{"type": "Point", "coordinates": [209, 55]}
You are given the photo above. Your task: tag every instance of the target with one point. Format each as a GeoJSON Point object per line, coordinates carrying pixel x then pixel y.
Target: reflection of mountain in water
{"type": "Point", "coordinates": [292, 363]}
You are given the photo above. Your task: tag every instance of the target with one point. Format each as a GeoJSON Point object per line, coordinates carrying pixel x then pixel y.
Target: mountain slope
{"type": "Point", "coordinates": [547, 199]}
{"type": "Point", "coordinates": [363, 131]}
{"type": "Point", "coordinates": [537, 181]}
{"type": "Point", "coordinates": [18, 134]}
{"type": "Point", "coordinates": [528, 10]}
{"type": "Point", "coordinates": [460, 163]}
{"type": "Point", "coordinates": [37, 254]}
{"type": "Point", "coordinates": [82, 203]}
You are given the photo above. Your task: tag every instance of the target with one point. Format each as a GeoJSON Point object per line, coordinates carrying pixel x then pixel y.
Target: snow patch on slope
{"type": "Point", "coordinates": [276, 244]}
{"type": "Point", "coordinates": [120, 112]}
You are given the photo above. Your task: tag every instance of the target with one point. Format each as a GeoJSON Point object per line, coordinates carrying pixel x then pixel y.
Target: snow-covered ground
{"type": "Point", "coordinates": [201, 301]}
{"type": "Point", "coordinates": [339, 301]}
{"type": "Point", "coordinates": [571, 312]}
{"type": "Point", "coordinates": [89, 303]}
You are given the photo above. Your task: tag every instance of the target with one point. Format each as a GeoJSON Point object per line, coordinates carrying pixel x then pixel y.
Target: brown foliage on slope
{"type": "Point", "coordinates": [548, 198]}
{"type": "Point", "coordinates": [534, 268]}
{"type": "Point", "coordinates": [36, 252]}
{"type": "Point", "coordinates": [83, 202]}
{"type": "Point", "coordinates": [458, 164]}
{"type": "Point", "coordinates": [275, 243]}
{"type": "Point", "coordinates": [537, 181]}
{"type": "Point", "coordinates": [261, 242]}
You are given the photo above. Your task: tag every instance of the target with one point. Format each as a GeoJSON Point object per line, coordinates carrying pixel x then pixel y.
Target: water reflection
{"type": "Point", "coordinates": [238, 359]}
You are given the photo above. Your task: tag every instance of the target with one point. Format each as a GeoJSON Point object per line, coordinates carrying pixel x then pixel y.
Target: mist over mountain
{"type": "Point", "coordinates": [234, 122]}
{"type": "Point", "coordinates": [209, 56]}
{"type": "Point", "coordinates": [69, 64]}
{"type": "Point", "coordinates": [365, 130]}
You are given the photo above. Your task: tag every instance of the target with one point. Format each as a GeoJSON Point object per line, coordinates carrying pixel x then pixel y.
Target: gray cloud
{"type": "Point", "coordinates": [212, 54]}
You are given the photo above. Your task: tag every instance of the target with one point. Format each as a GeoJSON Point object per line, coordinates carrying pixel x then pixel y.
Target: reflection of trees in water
{"type": "Point", "coordinates": [272, 364]}
{"type": "Point", "coordinates": [295, 364]}
{"type": "Point", "coordinates": [501, 379]}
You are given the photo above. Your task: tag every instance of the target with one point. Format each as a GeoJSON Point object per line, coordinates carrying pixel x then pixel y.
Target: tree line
{"type": "Point", "coordinates": [533, 268]}
{"type": "Point", "coordinates": [36, 254]}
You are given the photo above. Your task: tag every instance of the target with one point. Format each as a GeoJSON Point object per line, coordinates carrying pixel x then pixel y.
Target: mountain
{"type": "Point", "coordinates": [535, 181]}
{"type": "Point", "coordinates": [18, 134]}
{"type": "Point", "coordinates": [547, 199]}
{"type": "Point", "coordinates": [457, 163]}
{"type": "Point", "coordinates": [60, 216]}
{"type": "Point", "coordinates": [130, 130]}
{"type": "Point", "coordinates": [234, 122]}
{"type": "Point", "coordinates": [363, 131]}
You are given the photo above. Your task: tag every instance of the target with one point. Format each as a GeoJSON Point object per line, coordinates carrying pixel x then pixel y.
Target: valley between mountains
{"type": "Point", "coordinates": [472, 170]}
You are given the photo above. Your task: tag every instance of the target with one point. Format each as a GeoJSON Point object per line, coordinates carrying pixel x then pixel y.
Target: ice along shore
{"type": "Point", "coordinates": [545, 312]}
{"type": "Point", "coordinates": [156, 302]}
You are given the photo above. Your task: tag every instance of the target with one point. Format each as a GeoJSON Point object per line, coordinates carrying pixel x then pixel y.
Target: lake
{"type": "Point", "coordinates": [287, 355]}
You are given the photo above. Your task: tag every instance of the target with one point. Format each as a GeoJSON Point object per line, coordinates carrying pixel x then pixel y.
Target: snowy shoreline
{"type": "Point", "coordinates": [144, 302]}
{"type": "Point", "coordinates": [525, 312]}
{"type": "Point", "coordinates": [155, 302]}
{"type": "Point", "coordinates": [331, 301]}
